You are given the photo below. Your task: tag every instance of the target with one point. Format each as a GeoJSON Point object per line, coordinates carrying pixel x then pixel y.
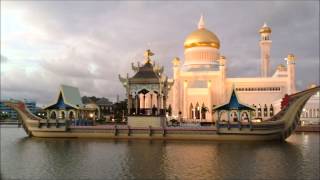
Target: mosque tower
{"type": "Point", "coordinates": [291, 69]}
{"type": "Point", "coordinates": [176, 86]}
{"type": "Point", "coordinates": [265, 45]}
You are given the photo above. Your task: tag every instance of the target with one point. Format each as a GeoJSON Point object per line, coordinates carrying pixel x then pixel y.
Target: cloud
{"type": "Point", "coordinates": [87, 44]}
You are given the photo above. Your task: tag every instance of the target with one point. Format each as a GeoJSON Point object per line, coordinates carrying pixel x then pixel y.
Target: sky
{"type": "Point", "coordinates": [88, 43]}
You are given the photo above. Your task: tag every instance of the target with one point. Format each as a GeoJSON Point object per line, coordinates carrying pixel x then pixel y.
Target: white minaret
{"type": "Point", "coordinates": [265, 45]}
{"type": "Point", "coordinates": [223, 70]}
{"type": "Point", "coordinates": [291, 69]}
{"type": "Point", "coordinates": [176, 107]}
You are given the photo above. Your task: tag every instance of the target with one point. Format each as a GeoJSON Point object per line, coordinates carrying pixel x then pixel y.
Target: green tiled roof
{"type": "Point", "coordinates": [71, 96]}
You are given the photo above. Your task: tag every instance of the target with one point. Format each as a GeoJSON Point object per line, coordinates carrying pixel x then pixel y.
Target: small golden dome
{"type": "Point", "coordinates": [291, 57]}
{"type": "Point", "coordinates": [202, 37]}
{"type": "Point", "coordinates": [265, 29]}
{"type": "Point", "coordinates": [281, 67]}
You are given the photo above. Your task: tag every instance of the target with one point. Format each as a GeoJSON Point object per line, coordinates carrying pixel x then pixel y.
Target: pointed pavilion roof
{"type": "Point", "coordinates": [68, 96]}
{"type": "Point", "coordinates": [146, 73]}
{"type": "Point", "coordinates": [234, 103]}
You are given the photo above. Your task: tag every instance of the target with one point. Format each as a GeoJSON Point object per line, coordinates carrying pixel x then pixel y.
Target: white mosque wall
{"type": "Point", "coordinates": [258, 90]}
{"type": "Point", "coordinates": [311, 111]}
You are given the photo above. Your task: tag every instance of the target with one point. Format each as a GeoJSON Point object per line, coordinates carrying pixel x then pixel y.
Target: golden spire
{"type": "Point", "coordinates": [222, 60]}
{"type": "Point", "coordinates": [176, 61]}
{"type": "Point", "coordinates": [147, 55]}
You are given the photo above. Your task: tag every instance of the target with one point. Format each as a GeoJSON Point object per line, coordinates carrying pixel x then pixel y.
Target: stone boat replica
{"type": "Point", "coordinates": [278, 127]}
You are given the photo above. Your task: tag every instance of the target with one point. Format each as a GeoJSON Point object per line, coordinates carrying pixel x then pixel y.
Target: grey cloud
{"type": "Point", "coordinates": [111, 35]}
{"type": "Point", "coordinates": [4, 59]}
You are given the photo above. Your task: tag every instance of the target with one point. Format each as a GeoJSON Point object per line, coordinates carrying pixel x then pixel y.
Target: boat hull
{"type": "Point", "coordinates": [161, 134]}
{"type": "Point", "coordinates": [279, 127]}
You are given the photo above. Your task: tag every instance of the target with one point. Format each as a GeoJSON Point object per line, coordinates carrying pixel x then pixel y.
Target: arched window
{"type": "Point", "coordinates": [271, 110]}
{"type": "Point", "coordinates": [259, 111]}
{"type": "Point", "coordinates": [234, 116]}
{"type": "Point", "coordinates": [203, 111]}
{"type": "Point", "coordinates": [310, 113]}
{"type": "Point", "coordinates": [223, 116]}
{"type": "Point", "coordinates": [191, 111]}
{"type": "Point", "coordinates": [244, 116]}
{"type": "Point", "coordinates": [197, 111]}
{"type": "Point", "coordinates": [71, 115]}
{"type": "Point", "coordinates": [63, 116]}
{"type": "Point", "coordinates": [265, 110]}
{"type": "Point", "coordinates": [53, 115]}
{"type": "Point", "coordinates": [169, 110]}
{"type": "Point", "coordinates": [254, 113]}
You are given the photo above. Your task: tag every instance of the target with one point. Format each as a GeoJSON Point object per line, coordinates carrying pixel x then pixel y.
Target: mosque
{"type": "Point", "coordinates": [200, 81]}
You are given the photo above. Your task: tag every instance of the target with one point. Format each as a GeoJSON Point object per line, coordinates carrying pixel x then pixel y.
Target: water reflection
{"type": "Point", "coordinates": [189, 159]}
{"type": "Point", "coordinates": [36, 158]}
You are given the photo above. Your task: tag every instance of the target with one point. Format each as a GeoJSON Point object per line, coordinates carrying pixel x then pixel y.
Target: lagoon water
{"type": "Point", "coordinates": [37, 158]}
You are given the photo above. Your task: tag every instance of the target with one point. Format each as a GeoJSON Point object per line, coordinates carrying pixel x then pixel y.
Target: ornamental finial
{"type": "Point", "coordinates": [147, 55]}
{"type": "Point", "coordinates": [201, 24]}
{"type": "Point", "coordinates": [265, 24]}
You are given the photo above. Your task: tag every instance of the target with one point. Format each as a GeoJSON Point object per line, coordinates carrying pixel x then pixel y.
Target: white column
{"type": "Point", "coordinates": [185, 100]}
{"type": "Point", "coordinates": [129, 103]}
{"type": "Point", "coordinates": [209, 102]}
{"type": "Point", "coordinates": [158, 103]}
{"type": "Point", "coordinates": [146, 100]}
{"type": "Point", "coordinates": [151, 100]}
{"type": "Point", "coordinates": [136, 103]}
{"type": "Point", "coordinates": [161, 101]}
{"type": "Point", "coordinates": [176, 87]}
{"type": "Point", "coordinates": [223, 70]}
{"type": "Point", "coordinates": [141, 96]}
{"type": "Point", "coordinates": [154, 99]}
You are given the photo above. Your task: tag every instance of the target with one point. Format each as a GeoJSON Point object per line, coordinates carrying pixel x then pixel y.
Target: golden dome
{"type": "Point", "coordinates": [202, 37]}
{"type": "Point", "coordinates": [290, 57]}
{"type": "Point", "coordinates": [265, 29]}
{"type": "Point", "coordinates": [281, 67]}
